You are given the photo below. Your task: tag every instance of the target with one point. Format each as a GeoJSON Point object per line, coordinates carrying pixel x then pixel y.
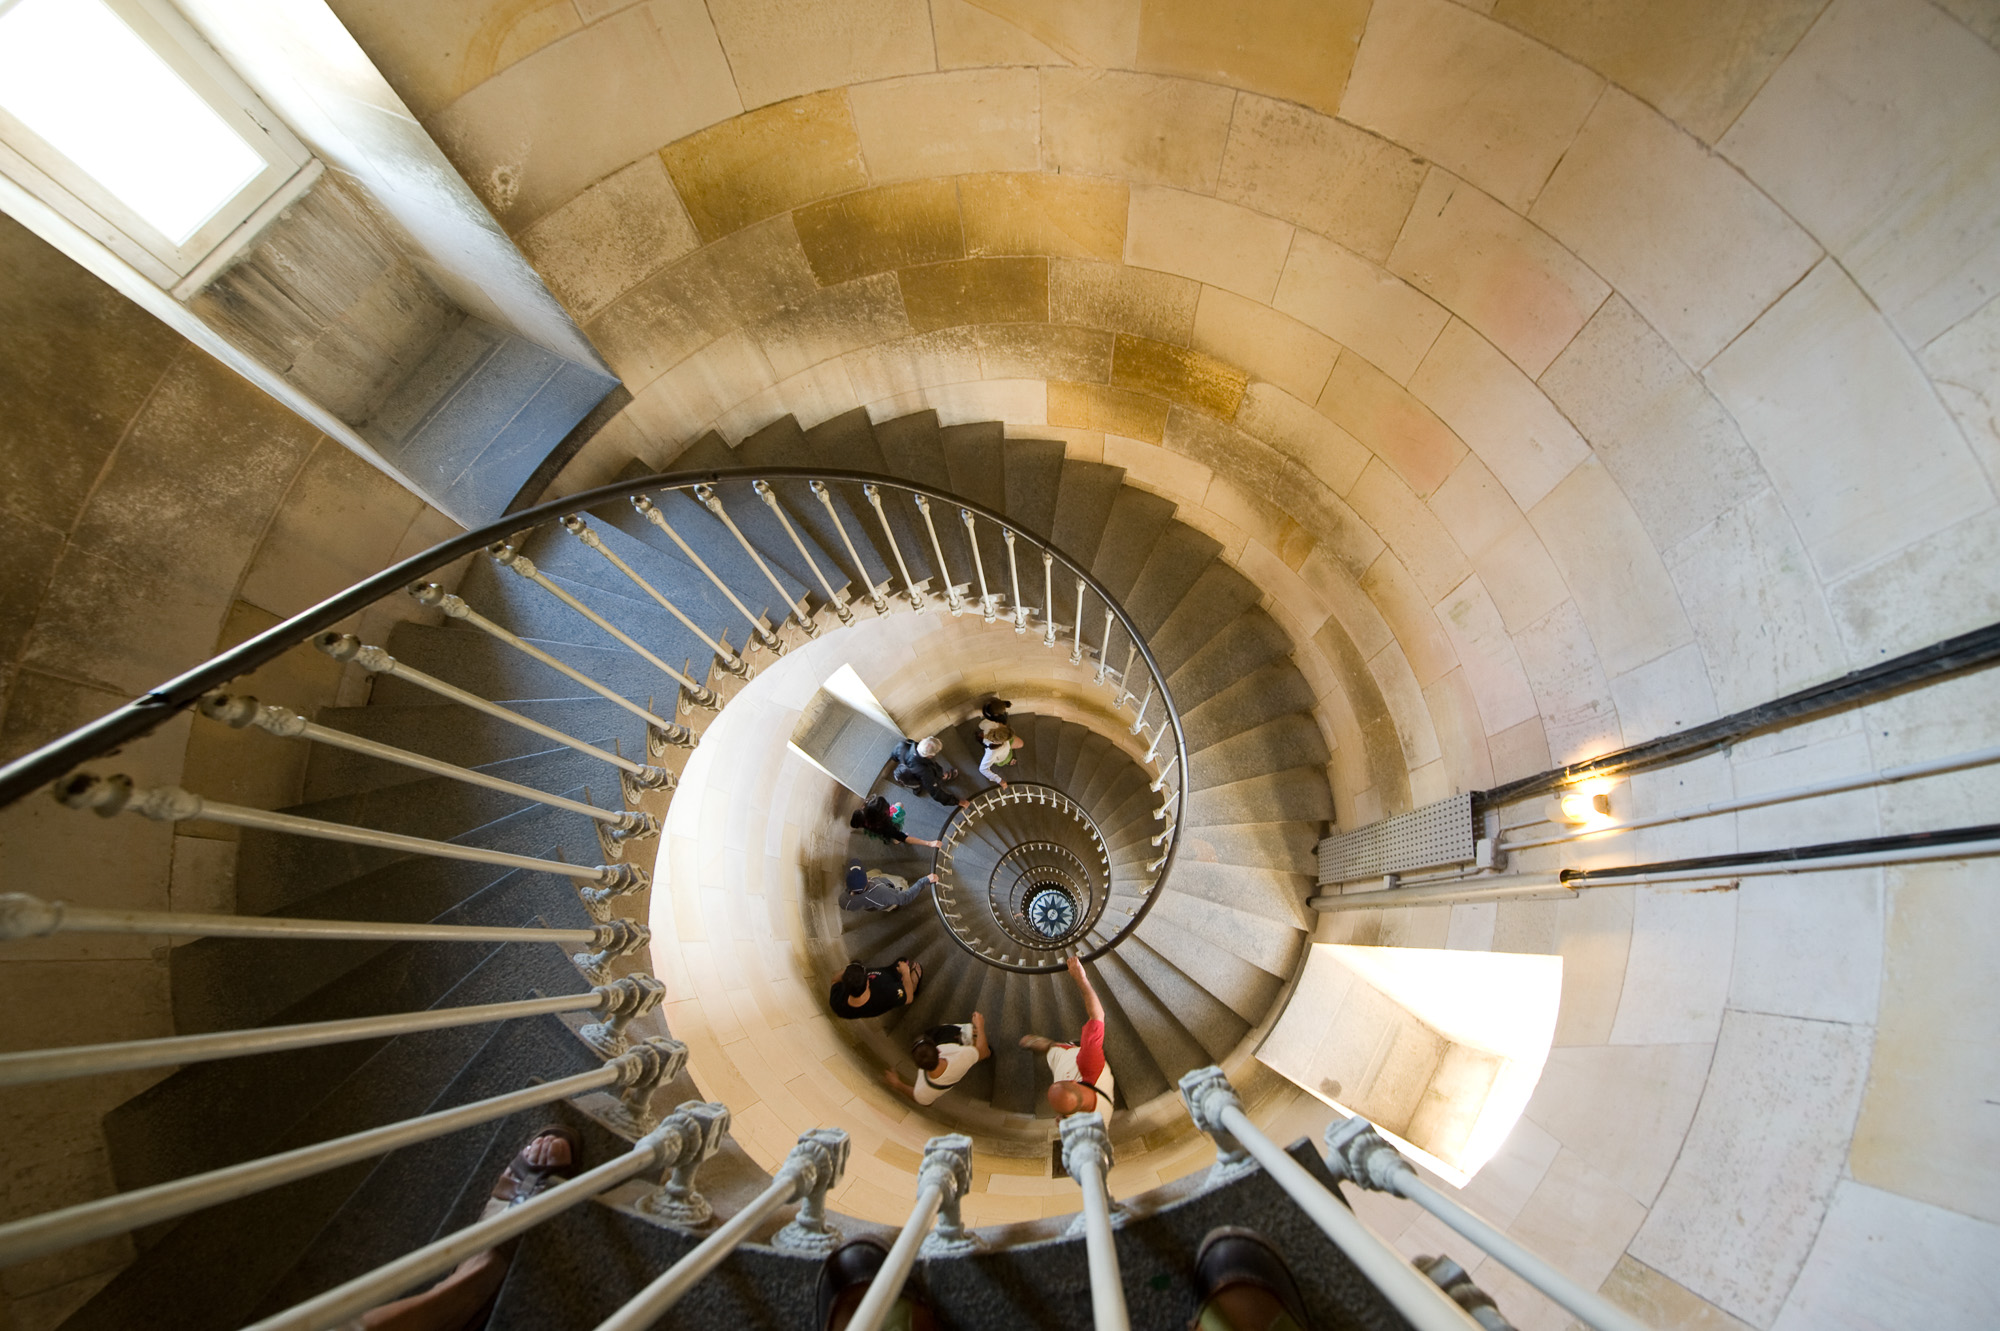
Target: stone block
{"type": "Point", "coordinates": [1618, 581]}
{"type": "Point", "coordinates": [341, 520]}
{"type": "Point", "coordinates": [712, 292]}
{"type": "Point", "coordinates": [1964, 367]}
{"type": "Point", "coordinates": [1299, 50]}
{"type": "Point", "coordinates": [1492, 668]}
{"type": "Point", "coordinates": [1817, 383]}
{"type": "Point", "coordinates": [1922, 1130]}
{"type": "Point", "coordinates": [1677, 975]}
{"type": "Point", "coordinates": [1527, 444]}
{"type": "Point", "coordinates": [1137, 127]}
{"type": "Point", "coordinates": [1578, 716]}
{"type": "Point", "coordinates": [1478, 99]}
{"type": "Point", "coordinates": [1105, 36]}
{"type": "Point", "coordinates": [1698, 64]}
{"type": "Point", "coordinates": [1288, 424]}
{"type": "Point", "coordinates": [1594, 936]}
{"type": "Point", "coordinates": [1739, 1213]}
{"type": "Point", "coordinates": [890, 369]}
{"type": "Point", "coordinates": [487, 37]}
{"type": "Point", "coordinates": [1112, 410]}
{"type": "Point", "coordinates": [1659, 1301]}
{"type": "Point", "coordinates": [1030, 213]}
{"type": "Point", "coordinates": [1319, 173]}
{"type": "Point", "coordinates": [1756, 608]}
{"type": "Point", "coordinates": [1044, 351]}
{"type": "Point", "coordinates": [969, 37]}
{"type": "Point", "coordinates": [1405, 700]}
{"type": "Point", "coordinates": [1394, 593]}
{"type": "Point", "coordinates": [1209, 240]}
{"type": "Point", "coordinates": [66, 327]}
{"type": "Point", "coordinates": [1623, 1108]}
{"type": "Point", "coordinates": [1881, 1258]}
{"type": "Point", "coordinates": [831, 322]}
{"type": "Point", "coordinates": [782, 48]}
{"type": "Point", "coordinates": [1271, 346]}
{"type": "Point", "coordinates": [1410, 529]}
{"type": "Point", "coordinates": [614, 234]}
{"type": "Point", "coordinates": [1496, 270]}
{"type": "Point", "coordinates": [874, 231]}
{"type": "Point", "coordinates": [1578, 1219]}
{"type": "Point", "coordinates": [949, 124]}
{"type": "Point", "coordinates": [1911, 213]}
{"type": "Point", "coordinates": [1810, 946]}
{"type": "Point", "coordinates": [1359, 305]}
{"type": "Point", "coordinates": [976, 291]}
{"type": "Point", "coordinates": [1670, 692]}
{"type": "Point", "coordinates": [1673, 450]}
{"type": "Point", "coordinates": [530, 138]}
{"type": "Point", "coordinates": [1695, 247]}
{"type": "Point", "coordinates": [766, 162]}
{"type": "Point", "coordinates": [1931, 589]}
{"type": "Point", "coordinates": [1462, 737]}
{"type": "Point", "coordinates": [1129, 300]}
{"type": "Point", "coordinates": [1178, 375]}
{"type": "Point", "coordinates": [1391, 422]}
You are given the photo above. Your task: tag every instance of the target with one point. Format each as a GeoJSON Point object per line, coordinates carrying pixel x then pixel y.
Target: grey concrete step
{"type": "Point", "coordinates": [1034, 484]}
{"type": "Point", "coordinates": [1083, 507]}
{"type": "Point", "coordinates": [1136, 523]}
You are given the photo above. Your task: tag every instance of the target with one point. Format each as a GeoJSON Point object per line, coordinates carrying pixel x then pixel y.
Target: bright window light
{"type": "Point", "coordinates": [75, 74]}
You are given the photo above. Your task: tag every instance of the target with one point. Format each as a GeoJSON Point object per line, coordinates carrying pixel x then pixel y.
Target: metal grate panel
{"type": "Point", "coordinates": [1437, 834]}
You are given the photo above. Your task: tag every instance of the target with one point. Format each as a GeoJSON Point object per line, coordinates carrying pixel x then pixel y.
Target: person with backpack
{"type": "Point", "coordinates": [916, 768]}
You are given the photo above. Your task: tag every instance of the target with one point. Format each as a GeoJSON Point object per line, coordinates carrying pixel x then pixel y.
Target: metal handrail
{"type": "Point", "coordinates": [642, 1070]}
{"type": "Point", "coordinates": [143, 714]}
{"type": "Point", "coordinates": [688, 1136]}
{"type": "Point", "coordinates": [90, 1060]}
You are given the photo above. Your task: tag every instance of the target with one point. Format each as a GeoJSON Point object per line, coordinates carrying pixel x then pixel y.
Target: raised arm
{"type": "Point", "coordinates": [1091, 1006]}
{"type": "Point", "coordinates": [979, 1035]}
{"type": "Point", "coordinates": [899, 1086]}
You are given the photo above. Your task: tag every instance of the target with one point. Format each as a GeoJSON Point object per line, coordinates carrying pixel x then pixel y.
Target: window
{"type": "Point", "coordinates": [118, 115]}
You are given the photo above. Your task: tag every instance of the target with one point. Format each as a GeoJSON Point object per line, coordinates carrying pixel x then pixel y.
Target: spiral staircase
{"type": "Point", "coordinates": [1181, 852]}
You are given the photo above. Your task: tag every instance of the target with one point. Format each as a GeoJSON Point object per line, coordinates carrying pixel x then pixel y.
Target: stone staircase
{"type": "Point", "coordinates": [1196, 978]}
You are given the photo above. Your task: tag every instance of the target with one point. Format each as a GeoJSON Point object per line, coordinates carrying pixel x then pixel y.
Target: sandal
{"type": "Point", "coordinates": [521, 1180]}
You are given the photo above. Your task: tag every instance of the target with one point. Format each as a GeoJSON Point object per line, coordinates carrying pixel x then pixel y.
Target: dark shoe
{"type": "Point", "coordinates": [844, 1278]}
{"type": "Point", "coordinates": [1233, 1259]}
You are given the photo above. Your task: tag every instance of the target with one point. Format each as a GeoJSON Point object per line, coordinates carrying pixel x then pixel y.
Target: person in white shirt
{"type": "Point", "coordinates": [943, 1055]}
{"type": "Point", "coordinates": [1000, 745]}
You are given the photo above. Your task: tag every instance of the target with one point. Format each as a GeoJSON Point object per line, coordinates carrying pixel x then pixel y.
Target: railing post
{"type": "Point", "coordinates": [1048, 599]}
{"type": "Point", "coordinates": [794, 610]}
{"type": "Point", "coordinates": [821, 1155]}
{"type": "Point", "coordinates": [948, 1160]}
{"type": "Point", "coordinates": [1205, 1091]}
{"type": "Point", "coordinates": [1087, 1157]}
{"type": "Point", "coordinates": [952, 602]}
{"type": "Point", "coordinates": [1104, 647]}
{"type": "Point", "coordinates": [945, 1173]}
{"type": "Point", "coordinates": [651, 512]}
{"type": "Point", "coordinates": [770, 498]}
{"type": "Point", "coordinates": [1360, 1155]}
{"type": "Point", "coordinates": [875, 598]}
{"type": "Point", "coordinates": [618, 938]}
{"type": "Point", "coordinates": [702, 1124]}
{"type": "Point", "coordinates": [648, 1066]}
{"type": "Point", "coordinates": [1014, 574]}
{"type": "Point", "coordinates": [1076, 628]}
{"type": "Point", "coordinates": [509, 558]}
{"type": "Point", "coordinates": [1139, 723]}
{"type": "Point", "coordinates": [346, 647]}
{"type": "Point", "coordinates": [636, 996]}
{"type": "Point", "coordinates": [874, 497]}
{"type": "Point", "coordinates": [728, 660]}
{"type": "Point", "coordinates": [986, 609]}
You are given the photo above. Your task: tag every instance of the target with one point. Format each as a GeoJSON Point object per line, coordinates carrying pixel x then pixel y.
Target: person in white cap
{"type": "Point", "coordinates": [917, 768]}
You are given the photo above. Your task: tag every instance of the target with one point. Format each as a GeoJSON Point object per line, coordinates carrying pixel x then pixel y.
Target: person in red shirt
{"type": "Point", "coordinates": [1082, 1078]}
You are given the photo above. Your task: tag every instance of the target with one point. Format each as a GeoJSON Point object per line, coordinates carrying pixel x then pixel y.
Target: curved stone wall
{"type": "Point", "coordinates": [1565, 374]}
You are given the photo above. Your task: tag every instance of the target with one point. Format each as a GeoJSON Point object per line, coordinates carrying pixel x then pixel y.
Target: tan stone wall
{"type": "Point", "coordinates": [156, 509]}
{"type": "Point", "coordinates": [1565, 373]}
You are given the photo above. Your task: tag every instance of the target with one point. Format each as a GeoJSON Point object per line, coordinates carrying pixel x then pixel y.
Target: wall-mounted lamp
{"type": "Point", "coordinates": [1577, 807]}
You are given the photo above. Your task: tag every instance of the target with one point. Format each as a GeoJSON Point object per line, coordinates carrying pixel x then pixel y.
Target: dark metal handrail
{"type": "Point", "coordinates": [142, 715]}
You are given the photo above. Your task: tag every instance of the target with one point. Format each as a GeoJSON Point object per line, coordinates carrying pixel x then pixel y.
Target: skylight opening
{"type": "Point", "coordinates": [82, 80]}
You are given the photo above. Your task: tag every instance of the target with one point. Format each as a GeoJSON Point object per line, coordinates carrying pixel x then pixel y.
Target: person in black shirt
{"type": "Point", "coordinates": [860, 992]}
{"type": "Point", "coordinates": [878, 818]}
{"type": "Point", "coordinates": [916, 768]}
